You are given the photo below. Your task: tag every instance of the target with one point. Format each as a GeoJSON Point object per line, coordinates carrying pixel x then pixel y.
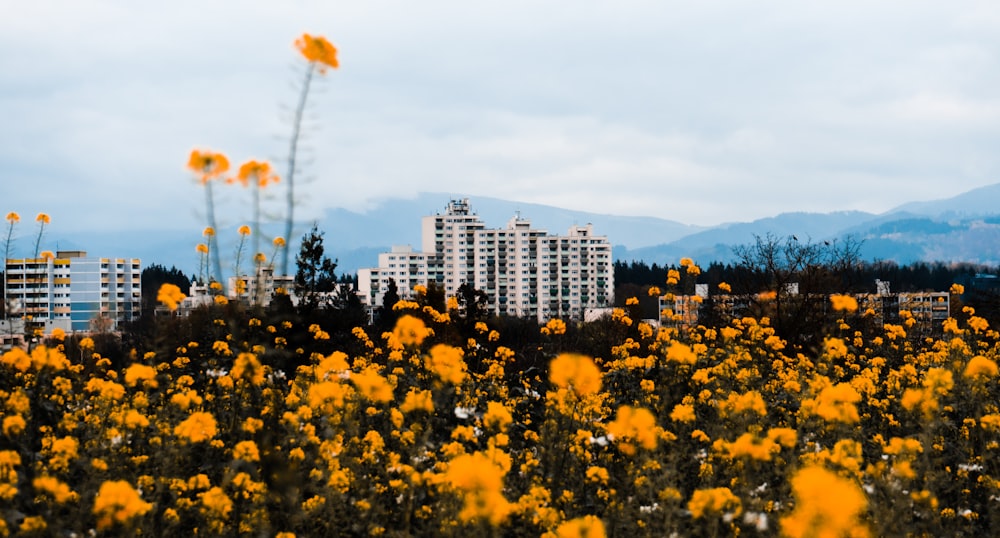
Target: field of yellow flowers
{"type": "Point", "coordinates": [695, 432]}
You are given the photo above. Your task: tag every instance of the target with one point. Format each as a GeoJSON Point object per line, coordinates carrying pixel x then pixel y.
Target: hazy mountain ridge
{"type": "Point", "coordinates": [964, 228]}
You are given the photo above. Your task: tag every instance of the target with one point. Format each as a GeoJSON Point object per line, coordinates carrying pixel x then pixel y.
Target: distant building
{"type": "Point", "coordinates": [259, 289]}
{"type": "Point", "coordinates": [523, 271]}
{"type": "Point", "coordinates": [73, 291]}
{"type": "Point", "coordinates": [927, 309]}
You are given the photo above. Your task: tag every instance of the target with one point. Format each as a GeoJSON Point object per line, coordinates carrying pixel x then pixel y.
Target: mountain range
{"type": "Point", "coordinates": [964, 228]}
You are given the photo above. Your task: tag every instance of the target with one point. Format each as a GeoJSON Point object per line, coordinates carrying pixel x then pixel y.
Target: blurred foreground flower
{"type": "Point", "coordinates": [170, 295]}
{"type": "Point", "coordinates": [116, 503]}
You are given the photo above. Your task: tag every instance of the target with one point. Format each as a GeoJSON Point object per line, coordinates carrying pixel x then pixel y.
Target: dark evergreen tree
{"type": "Point", "coordinates": [472, 303]}
{"type": "Point", "coordinates": [387, 316]}
{"type": "Point", "coordinates": [155, 276]}
{"type": "Point", "coordinates": [435, 296]}
{"type": "Point", "coordinates": [314, 277]}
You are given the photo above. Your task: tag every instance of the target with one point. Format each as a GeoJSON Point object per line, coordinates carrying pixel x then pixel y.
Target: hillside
{"type": "Point", "coordinates": [962, 228]}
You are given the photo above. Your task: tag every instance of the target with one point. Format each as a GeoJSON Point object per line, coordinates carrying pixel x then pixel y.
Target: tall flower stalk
{"type": "Point", "coordinates": [241, 286]}
{"type": "Point", "coordinates": [42, 219]}
{"type": "Point", "coordinates": [202, 249]}
{"type": "Point", "coordinates": [258, 260]}
{"type": "Point", "coordinates": [12, 219]}
{"type": "Point", "coordinates": [320, 55]}
{"type": "Point", "coordinates": [209, 167]}
{"type": "Point", "coordinates": [256, 175]}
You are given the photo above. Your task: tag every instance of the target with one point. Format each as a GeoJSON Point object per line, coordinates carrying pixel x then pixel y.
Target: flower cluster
{"type": "Point", "coordinates": [260, 425]}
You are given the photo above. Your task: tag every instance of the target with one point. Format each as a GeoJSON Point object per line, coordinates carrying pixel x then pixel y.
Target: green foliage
{"type": "Point", "coordinates": [314, 276]}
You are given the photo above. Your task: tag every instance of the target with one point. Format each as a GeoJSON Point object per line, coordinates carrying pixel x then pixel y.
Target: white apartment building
{"type": "Point", "coordinates": [73, 291]}
{"type": "Point", "coordinates": [523, 271]}
{"type": "Point", "coordinates": [402, 264]}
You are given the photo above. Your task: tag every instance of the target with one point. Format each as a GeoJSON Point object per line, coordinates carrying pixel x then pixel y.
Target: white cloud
{"type": "Point", "coordinates": [699, 112]}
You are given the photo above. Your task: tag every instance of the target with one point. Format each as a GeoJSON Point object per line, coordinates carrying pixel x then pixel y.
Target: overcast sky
{"type": "Point", "coordinates": [700, 112]}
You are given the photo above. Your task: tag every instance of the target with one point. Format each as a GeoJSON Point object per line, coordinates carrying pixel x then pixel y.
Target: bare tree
{"type": "Point", "coordinates": [789, 281]}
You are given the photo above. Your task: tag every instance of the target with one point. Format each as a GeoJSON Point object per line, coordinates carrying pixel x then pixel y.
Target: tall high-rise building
{"type": "Point", "coordinates": [523, 271]}
{"type": "Point", "coordinates": [73, 291]}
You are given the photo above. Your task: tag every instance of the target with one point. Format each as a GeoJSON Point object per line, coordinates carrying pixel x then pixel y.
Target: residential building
{"type": "Point", "coordinates": [927, 309]}
{"type": "Point", "coordinates": [73, 291]}
{"type": "Point", "coordinates": [522, 270]}
{"type": "Point", "coordinates": [259, 289]}
{"type": "Point", "coordinates": [401, 264]}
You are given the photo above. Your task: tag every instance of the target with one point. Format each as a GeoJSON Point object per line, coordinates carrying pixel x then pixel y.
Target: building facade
{"type": "Point", "coordinates": [73, 291]}
{"type": "Point", "coordinates": [523, 271]}
{"type": "Point", "coordinates": [927, 309]}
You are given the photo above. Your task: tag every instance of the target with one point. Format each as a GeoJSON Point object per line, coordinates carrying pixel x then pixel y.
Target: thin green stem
{"type": "Point", "coordinates": [6, 256]}
{"type": "Point", "coordinates": [292, 155]}
{"type": "Point", "coordinates": [216, 272]}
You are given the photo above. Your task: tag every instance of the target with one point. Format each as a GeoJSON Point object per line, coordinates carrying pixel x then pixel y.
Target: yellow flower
{"type": "Point", "coordinates": [713, 501]}
{"type": "Point", "coordinates": [208, 165]}
{"type": "Point", "coordinates": [55, 488]}
{"type": "Point", "coordinates": [447, 363]}
{"type": "Point", "coordinates": [681, 353]}
{"type": "Point", "coordinates": [13, 425]}
{"type": "Point", "coordinates": [835, 348]}
{"type": "Point", "coordinates": [216, 503]}
{"type": "Point", "coordinates": [497, 416]}
{"type": "Point", "coordinates": [200, 426]}
{"type": "Point", "coordinates": [581, 527]}
{"type": "Point", "coordinates": [257, 171]}
{"type": "Point", "coordinates": [725, 288]}
{"type": "Point", "coordinates": [980, 367]}
{"type": "Point", "coordinates": [815, 515]}
{"type": "Point", "coordinates": [118, 502]}
{"type": "Point", "coordinates": [577, 372]}
{"type": "Point", "coordinates": [372, 386]}
{"type": "Point", "coordinates": [844, 303]}
{"type": "Point", "coordinates": [410, 331]}
{"type": "Point", "coordinates": [480, 480]}
{"type": "Point", "coordinates": [139, 372]}
{"type": "Point", "coordinates": [317, 50]}
{"type": "Point", "coordinates": [634, 424]}
{"type": "Point", "coordinates": [246, 451]}
{"type": "Point", "coordinates": [170, 295]}
{"type": "Point", "coordinates": [554, 326]}
{"type": "Point", "coordinates": [243, 230]}
{"type": "Point", "coordinates": [836, 403]}
{"type": "Point", "coordinates": [32, 525]}
{"type": "Point", "coordinates": [43, 218]}
{"type": "Point", "coordinates": [682, 413]}
{"type": "Point", "coordinates": [201, 248]}
{"type": "Point", "coordinates": [957, 289]}
{"type": "Point", "coordinates": [326, 395]}
{"type": "Point", "coordinates": [248, 368]}
{"type": "Point", "coordinates": [13, 217]}
{"type": "Point", "coordinates": [134, 419]}
{"type": "Point", "coordinates": [46, 255]}
{"type": "Point", "coordinates": [418, 400]}
{"type": "Point", "coordinates": [279, 242]}
{"type": "Point", "coordinates": [208, 231]}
